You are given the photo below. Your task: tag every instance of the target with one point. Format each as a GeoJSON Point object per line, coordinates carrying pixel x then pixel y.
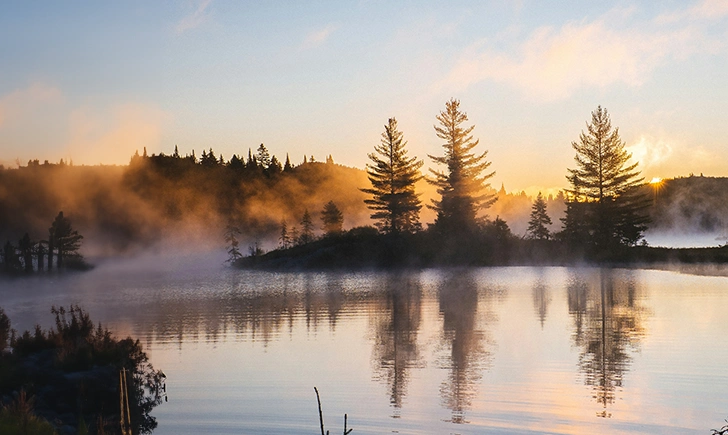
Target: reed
{"type": "Point", "coordinates": [321, 416]}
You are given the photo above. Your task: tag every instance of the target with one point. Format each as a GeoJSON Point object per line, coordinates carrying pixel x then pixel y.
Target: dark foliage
{"type": "Point", "coordinates": [393, 175]}
{"type": "Point", "coordinates": [722, 431]}
{"type": "Point", "coordinates": [610, 209]}
{"type": "Point", "coordinates": [463, 185]}
{"type": "Point", "coordinates": [4, 330]}
{"type": "Point", "coordinates": [123, 208]}
{"type": "Point", "coordinates": [29, 256]}
{"type": "Point", "coordinates": [332, 219]}
{"type": "Point", "coordinates": [72, 372]}
{"type": "Point", "coordinates": [538, 224]}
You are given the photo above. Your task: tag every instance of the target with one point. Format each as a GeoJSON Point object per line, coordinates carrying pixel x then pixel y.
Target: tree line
{"type": "Point", "coordinates": [61, 247]}
{"type": "Point", "coordinates": [606, 206]}
{"type": "Point", "coordinates": [605, 201]}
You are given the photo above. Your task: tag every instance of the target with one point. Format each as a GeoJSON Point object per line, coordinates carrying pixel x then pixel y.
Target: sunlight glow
{"type": "Point", "coordinates": [656, 180]}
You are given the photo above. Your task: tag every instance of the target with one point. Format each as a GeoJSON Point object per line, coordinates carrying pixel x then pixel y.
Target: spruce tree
{"type": "Point", "coordinates": [263, 156]}
{"type": "Point", "coordinates": [67, 240]}
{"type": "Point", "coordinates": [462, 187]}
{"type": "Point", "coordinates": [393, 176]}
{"type": "Point", "coordinates": [575, 229]}
{"type": "Point", "coordinates": [615, 210]}
{"type": "Point", "coordinates": [274, 168]}
{"type": "Point", "coordinates": [537, 225]}
{"type": "Point", "coordinates": [284, 240]}
{"type": "Point", "coordinates": [295, 236]}
{"type": "Point", "coordinates": [231, 233]}
{"type": "Point", "coordinates": [25, 246]}
{"type": "Point", "coordinates": [332, 218]}
{"type": "Point", "coordinates": [306, 229]}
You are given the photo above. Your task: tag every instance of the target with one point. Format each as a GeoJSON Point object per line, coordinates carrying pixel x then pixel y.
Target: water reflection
{"type": "Point", "coordinates": [256, 314]}
{"type": "Point", "coordinates": [334, 298]}
{"type": "Point", "coordinates": [396, 323]}
{"type": "Point", "coordinates": [418, 346]}
{"type": "Point", "coordinates": [608, 324]}
{"type": "Point", "coordinates": [541, 299]}
{"type": "Point", "coordinates": [468, 345]}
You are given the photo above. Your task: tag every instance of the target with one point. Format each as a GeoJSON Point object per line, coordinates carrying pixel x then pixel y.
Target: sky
{"type": "Point", "coordinates": [93, 81]}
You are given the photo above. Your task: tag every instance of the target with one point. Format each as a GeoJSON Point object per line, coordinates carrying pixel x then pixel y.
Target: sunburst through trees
{"type": "Point", "coordinates": [604, 189]}
{"type": "Point", "coordinates": [462, 186]}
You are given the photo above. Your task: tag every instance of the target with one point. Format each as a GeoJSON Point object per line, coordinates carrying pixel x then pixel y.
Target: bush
{"type": "Point", "coordinates": [74, 369]}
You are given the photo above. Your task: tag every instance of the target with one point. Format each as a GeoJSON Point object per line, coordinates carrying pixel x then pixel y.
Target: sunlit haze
{"type": "Point", "coordinates": [92, 82]}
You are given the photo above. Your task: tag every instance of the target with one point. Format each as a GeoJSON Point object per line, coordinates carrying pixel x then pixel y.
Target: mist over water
{"type": "Point", "coordinates": [678, 239]}
{"type": "Point", "coordinates": [488, 350]}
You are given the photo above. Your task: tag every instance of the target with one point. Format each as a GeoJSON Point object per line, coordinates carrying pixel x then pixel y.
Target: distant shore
{"type": "Point", "coordinates": [363, 249]}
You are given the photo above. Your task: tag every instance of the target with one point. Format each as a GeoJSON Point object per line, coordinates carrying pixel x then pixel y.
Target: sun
{"type": "Point", "coordinates": [656, 180]}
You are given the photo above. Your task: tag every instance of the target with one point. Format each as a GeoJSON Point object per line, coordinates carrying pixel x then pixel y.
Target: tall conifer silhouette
{"type": "Point", "coordinates": [614, 210]}
{"type": "Point", "coordinates": [462, 186]}
{"type": "Point", "coordinates": [393, 175]}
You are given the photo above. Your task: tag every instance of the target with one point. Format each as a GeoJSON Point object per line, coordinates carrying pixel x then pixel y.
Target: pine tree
{"type": "Point", "coordinates": [295, 236]}
{"type": "Point", "coordinates": [287, 167]}
{"type": "Point", "coordinates": [67, 240]}
{"type": "Point", "coordinates": [11, 260]}
{"type": "Point", "coordinates": [263, 156]}
{"type": "Point", "coordinates": [537, 225]}
{"type": "Point", "coordinates": [393, 176]}
{"type": "Point", "coordinates": [306, 229]}
{"type": "Point", "coordinates": [236, 163]}
{"type": "Point", "coordinates": [231, 233]}
{"type": "Point", "coordinates": [251, 164]}
{"type": "Point", "coordinates": [209, 159]}
{"type": "Point", "coordinates": [274, 168]}
{"type": "Point", "coordinates": [462, 186]}
{"type": "Point", "coordinates": [575, 229]}
{"type": "Point", "coordinates": [25, 246]}
{"type": "Point", "coordinates": [284, 240]}
{"type": "Point", "coordinates": [615, 211]}
{"type": "Point", "coordinates": [332, 218]}
{"type": "Point", "coordinates": [40, 252]}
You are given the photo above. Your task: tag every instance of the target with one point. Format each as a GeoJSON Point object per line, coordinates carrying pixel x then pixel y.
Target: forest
{"type": "Point", "coordinates": [318, 213]}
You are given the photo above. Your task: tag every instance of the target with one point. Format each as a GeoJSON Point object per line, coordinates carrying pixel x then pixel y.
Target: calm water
{"type": "Point", "coordinates": [498, 351]}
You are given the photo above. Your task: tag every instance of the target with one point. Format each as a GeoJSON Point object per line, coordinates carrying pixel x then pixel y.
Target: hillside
{"type": "Point", "coordinates": [189, 202]}
{"type": "Point", "coordinates": [171, 198]}
{"type": "Point", "coordinates": [690, 204]}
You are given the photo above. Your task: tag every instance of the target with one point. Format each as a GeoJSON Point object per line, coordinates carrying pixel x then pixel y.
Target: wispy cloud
{"type": "Point", "coordinates": [650, 152]}
{"type": "Point", "coordinates": [553, 63]}
{"type": "Point", "coordinates": [318, 37]}
{"type": "Point", "coordinates": [195, 19]}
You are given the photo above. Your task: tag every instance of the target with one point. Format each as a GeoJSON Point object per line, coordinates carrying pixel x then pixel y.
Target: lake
{"type": "Point", "coordinates": [512, 350]}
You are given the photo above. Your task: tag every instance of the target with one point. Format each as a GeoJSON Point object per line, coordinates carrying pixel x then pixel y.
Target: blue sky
{"type": "Point", "coordinates": [94, 81]}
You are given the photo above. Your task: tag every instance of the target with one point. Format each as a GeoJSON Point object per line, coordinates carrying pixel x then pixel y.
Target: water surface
{"type": "Point", "coordinates": [465, 351]}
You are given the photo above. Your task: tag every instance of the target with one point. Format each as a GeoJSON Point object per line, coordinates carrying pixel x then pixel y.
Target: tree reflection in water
{"type": "Point", "coordinates": [334, 298]}
{"type": "Point", "coordinates": [468, 344]}
{"type": "Point", "coordinates": [541, 299]}
{"type": "Point", "coordinates": [396, 324]}
{"type": "Point", "coordinates": [608, 324]}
